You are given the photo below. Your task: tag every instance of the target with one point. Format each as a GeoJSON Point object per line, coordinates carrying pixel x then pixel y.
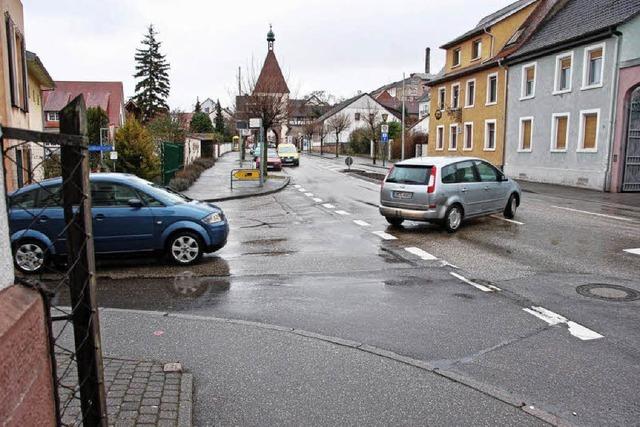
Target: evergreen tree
{"type": "Point", "coordinates": [201, 123]}
{"type": "Point", "coordinates": [198, 107]}
{"type": "Point", "coordinates": [219, 119]}
{"type": "Point", "coordinates": [96, 120]}
{"type": "Point", "coordinates": [152, 68]}
{"type": "Point", "coordinates": [136, 151]}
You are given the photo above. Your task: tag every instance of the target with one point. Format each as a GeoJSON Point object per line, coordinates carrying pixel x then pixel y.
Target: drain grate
{"type": "Point", "coordinates": [608, 292]}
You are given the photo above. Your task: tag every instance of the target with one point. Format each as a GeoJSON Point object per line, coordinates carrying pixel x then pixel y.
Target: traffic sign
{"type": "Point", "coordinates": [385, 137]}
{"type": "Point", "coordinates": [348, 161]}
{"type": "Point", "coordinates": [246, 174]}
{"type": "Point", "coordinates": [384, 128]}
{"type": "Point", "coordinates": [97, 148]}
{"type": "Point", "coordinates": [255, 123]}
{"type": "Point", "coordinates": [113, 155]}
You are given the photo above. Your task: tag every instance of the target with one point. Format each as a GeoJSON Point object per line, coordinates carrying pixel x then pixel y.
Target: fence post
{"type": "Point", "coordinates": [76, 194]}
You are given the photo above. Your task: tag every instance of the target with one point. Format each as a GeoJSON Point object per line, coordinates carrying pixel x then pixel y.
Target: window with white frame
{"type": "Point", "coordinates": [440, 137]}
{"type": "Point", "coordinates": [564, 67]}
{"type": "Point", "coordinates": [442, 94]}
{"type": "Point", "coordinates": [589, 124]}
{"type": "Point", "coordinates": [455, 96]}
{"type": "Point", "coordinates": [453, 137]}
{"type": "Point", "coordinates": [476, 49]}
{"type": "Point", "coordinates": [456, 57]}
{"type": "Point", "coordinates": [492, 88]}
{"type": "Point", "coordinates": [593, 66]}
{"type": "Point", "coordinates": [470, 93]}
{"type": "Point", "coordinates": [53, 116]}
{"type": "Point", "coordinates": [526, 134]}
{"type": "Point", "coordinates": [468, 136]}
{"type": "Point", "coordinates": [559, 132]}
{"type": "Point", "coordinates": [528, 81]}
{"type": "Point", "coordinates": [490, 135]}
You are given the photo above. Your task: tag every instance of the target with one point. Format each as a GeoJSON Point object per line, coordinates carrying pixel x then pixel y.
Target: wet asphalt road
{"type": "Point", "coordinates": [297, 261]}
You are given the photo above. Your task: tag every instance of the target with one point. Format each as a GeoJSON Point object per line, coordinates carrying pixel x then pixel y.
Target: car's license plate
{"type": "Point", "coordinates": [402, 195]}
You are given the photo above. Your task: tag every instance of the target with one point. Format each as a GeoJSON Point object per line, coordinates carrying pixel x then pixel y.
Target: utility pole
{"type": "Point", "coordinates": [402, 137]}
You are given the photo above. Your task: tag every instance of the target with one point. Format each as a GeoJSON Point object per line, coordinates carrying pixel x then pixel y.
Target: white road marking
{"type": "Point", "coordinates": [329, 206]}
{"type": "Point", "coordinates": [362, 223]}
{"type": "Point", "coordinates": [507, 219]}
{"type": "Point", "coordinates": [552, 318]}
{"type": "Point", "coordinates": [308, 194]}
{"type": "Point", "coordinates": [483, 288]}
{"type": "Point", "coordinates": [633, 251]}
{"type": "Point", "coordinates": [345, 213]}
{"type": "Point", "coordinates": [297, 185]}
{"type": "Point", "coordinates": [317, 200]}
{"type": "Point", "coordinates": [385, 236]}
{"type": "Point", "coordinates": [620, 218]}
{"type": "Point", "coordinates": [420, 253]}
{"type": "Point", "coordinates": [302, 190]}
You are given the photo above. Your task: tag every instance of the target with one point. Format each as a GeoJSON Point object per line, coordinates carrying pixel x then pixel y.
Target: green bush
{"type": "Point", "coordinates": [359, 142]}
{"type": "Point", "coordinates": [186, 177]}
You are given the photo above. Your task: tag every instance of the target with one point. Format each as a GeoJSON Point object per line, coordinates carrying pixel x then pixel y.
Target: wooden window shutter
{"type": "Point", "coordinates": [590, 131]}
{"type": "Point", "coordinates": [11, 56]}
{"type": "Point", "coordinates": [526, 134]}
{"type": "Point", "coordinates": [530, 74]}
{"type": "Point", "coordinates": [25, 87]}
{"type": "Point", "coordinates": [565, 63]}
{"type": "Point", "coordinates": [595, 54]}
{"type": "Point", "coordinates": [561, 133]}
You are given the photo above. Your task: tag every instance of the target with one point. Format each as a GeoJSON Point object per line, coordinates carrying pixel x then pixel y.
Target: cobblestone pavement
{"type": "Point", "coordinates": [139, 393]}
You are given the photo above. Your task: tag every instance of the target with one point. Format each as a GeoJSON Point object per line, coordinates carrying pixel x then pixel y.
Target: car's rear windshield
{"type": "Point", "coordinates": [272, 153]}
{"type": "Point", "coordinates": [287, 149]}
{"type": "Point", "coordinates": [410, 174]}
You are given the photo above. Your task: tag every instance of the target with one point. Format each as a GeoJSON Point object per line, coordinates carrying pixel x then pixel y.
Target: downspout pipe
{"type": "Point", "coordinates": [492, 38]}
{"type": "Point", "coordinates": [504, 111]}
{"type": "Point", "coordinates": [613, 111]}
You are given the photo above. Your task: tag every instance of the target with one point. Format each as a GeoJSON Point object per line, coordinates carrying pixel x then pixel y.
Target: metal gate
{"type": "Point", "coordinates": [631, 179]}
{"type": "Point", "coordinates": [172, 160]}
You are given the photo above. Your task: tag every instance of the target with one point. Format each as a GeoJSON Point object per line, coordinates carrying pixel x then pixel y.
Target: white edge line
{"type": "Point", "coordinates": [328, 206]}
{"type": "Point", "coordinates": [308, 194]}
{"type": "Point", "coordinates": [575, 329]}
{"type": "Point", "coordinates": [594, 213]}
{"type": "Point", "coordinates": [362, 223]}
{"type": "Point", "coordinates": [633, 251]}
{"type": "Point", "coordinates": [420, 253]}
{"type": "Point", "coordinates": [506, 219]}
{"type": "Point", "coordinates": [345, 213]}
{"type": "Point", "coordinates": [469, 282]}
{"type": "Point", "coordinates": [385, 236]}
{"type": "Point", "coordinates": [317, 200]}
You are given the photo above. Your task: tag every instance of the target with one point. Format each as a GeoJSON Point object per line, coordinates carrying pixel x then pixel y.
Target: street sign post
{"type": "Point", "coordinates": [348, 161]}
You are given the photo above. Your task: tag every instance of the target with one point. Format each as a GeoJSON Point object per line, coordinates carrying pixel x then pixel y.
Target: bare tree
{"type": "Point", "coordinates": [338, 123]}
{"type": "Point", "coordinates": [372, 120]}
{"type": "Point", "coordinates": [322, 131]}
{"type": "Point", "coordinates": [308, 130]}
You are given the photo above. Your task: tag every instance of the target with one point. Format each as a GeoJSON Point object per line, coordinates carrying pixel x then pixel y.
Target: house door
{"type": "Point", "coordinates": [631, 179]}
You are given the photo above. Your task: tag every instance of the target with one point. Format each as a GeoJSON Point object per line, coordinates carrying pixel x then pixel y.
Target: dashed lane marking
{"type": "Point", "coordinates": [302, 190]}
{"type": "Point", "coordinates": [317, 200]}
{"type": "Point", "coordinates": [361, 223]}
{"type": "Point", "coordinates": [619, 218]}
{"type": "Point", "coordinates": [633, 251]}
{"type": "Point", "coordinates": [552, 318]}
{"type": "Point", "coordinates": [345, 213]}
{"type": "Point", "coordinates": [506, 219]}
{"type": "Point", "coordinates": [297, 185]}
{"type": "Point", "coordinates": [420, 253]}
{"type": "Point", "coordinates": [385, 236]}
{"type": "Point", "coordinates": [329, 206]}
{"type": "Point", "coordinates": [308, 194]}
{"type": "Point", "coordinates": [483, 288]}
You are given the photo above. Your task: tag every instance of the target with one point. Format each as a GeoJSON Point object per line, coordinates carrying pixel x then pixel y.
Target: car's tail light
{"type": "Point", "coordinates": [386, 176]}
{"type": "Point", "coordinates": [432, 180]}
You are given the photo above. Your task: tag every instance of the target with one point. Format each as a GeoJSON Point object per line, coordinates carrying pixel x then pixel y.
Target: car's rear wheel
{"type": "Point", "coordinates": [453, 218]}
{"type": "Point", "coordinates": [185, 248]}
{"type": "Point", "coordinates": [30, 256]}
{"type": "Point", "coordinates": [396, 222]}
{"type": "Point", "coordinates": [512, 206]}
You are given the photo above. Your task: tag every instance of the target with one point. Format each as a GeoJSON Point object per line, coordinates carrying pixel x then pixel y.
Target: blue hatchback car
{"type": "Point", "coordinates": [130, 214]}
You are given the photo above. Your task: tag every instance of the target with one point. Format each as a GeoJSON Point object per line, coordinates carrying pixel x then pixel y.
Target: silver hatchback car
{"type": "Point", "coordinates": [446, 190]}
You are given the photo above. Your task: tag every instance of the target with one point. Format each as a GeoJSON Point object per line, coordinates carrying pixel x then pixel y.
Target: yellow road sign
{"type": "Point", "coordinates": [246, 174]}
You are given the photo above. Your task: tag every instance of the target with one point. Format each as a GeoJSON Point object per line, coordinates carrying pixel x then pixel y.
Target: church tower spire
{"type": "Point", "coordinates": [271, 38]}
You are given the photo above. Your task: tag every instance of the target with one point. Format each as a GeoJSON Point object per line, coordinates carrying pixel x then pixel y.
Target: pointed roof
{"type": "Point", "coordinates": [271, 79]}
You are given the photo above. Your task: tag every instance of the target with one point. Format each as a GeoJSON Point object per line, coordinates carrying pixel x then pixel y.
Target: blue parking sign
{"type": "Point", "coordinates": [385, 137]}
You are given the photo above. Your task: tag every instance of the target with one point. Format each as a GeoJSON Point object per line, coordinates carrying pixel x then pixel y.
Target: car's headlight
{"type": "Point", "coordinates": [213, 218]}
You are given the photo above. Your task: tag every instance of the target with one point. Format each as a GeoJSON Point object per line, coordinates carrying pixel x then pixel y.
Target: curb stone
{"type": "Point", "coordinates": [285, 182]}
{"type": "Point", "coordinates": [185, 410]}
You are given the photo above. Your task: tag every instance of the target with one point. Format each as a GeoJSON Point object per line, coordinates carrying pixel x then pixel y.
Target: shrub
{"type": "Point", "coordinates": [359, 142]}
{"type": "Point", "coordinates": [184, 178]}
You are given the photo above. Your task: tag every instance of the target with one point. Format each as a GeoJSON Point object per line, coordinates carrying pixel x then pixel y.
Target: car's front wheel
{"type": "Point", "coordinates": [512, 206]}
{"type": "Point", "coordinates": [30, 256]}
{"type": "Point", "coordinates": [453, 218]}
{"type": "Point", "coordinates": [185, 248]}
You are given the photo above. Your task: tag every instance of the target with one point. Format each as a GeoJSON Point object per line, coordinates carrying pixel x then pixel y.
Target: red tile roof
{"type": "Point", "coordinates": [107, 95]}
{"type": "Point", "coordinates": [271, 79]}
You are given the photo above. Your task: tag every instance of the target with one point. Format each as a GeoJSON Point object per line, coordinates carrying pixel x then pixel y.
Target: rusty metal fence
{"type": "Point", "coordinates": [49, 207]}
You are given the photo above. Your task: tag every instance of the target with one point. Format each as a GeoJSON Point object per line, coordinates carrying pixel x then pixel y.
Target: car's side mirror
{"type": "Point", "coordinates": [135, 203]}
{"type": "Point", "coordinates": [503, 178]}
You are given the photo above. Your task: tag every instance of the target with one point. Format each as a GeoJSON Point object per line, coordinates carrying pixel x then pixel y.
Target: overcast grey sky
{"type": "Point", "coordinates": [340, 46]}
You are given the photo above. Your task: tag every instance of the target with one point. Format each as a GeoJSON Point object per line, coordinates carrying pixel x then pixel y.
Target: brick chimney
{"type": "Point", "coordinates": [427, 60]}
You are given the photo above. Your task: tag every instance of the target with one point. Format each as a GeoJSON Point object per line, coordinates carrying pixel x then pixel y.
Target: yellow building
{"type": "Point", "coordinates": [468, 103]}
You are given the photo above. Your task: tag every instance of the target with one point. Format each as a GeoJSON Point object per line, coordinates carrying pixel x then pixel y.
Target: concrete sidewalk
{"type": "Point", "coordinates": [248, 373]}
{"type": "Point", "coordinates": [214, 185]}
